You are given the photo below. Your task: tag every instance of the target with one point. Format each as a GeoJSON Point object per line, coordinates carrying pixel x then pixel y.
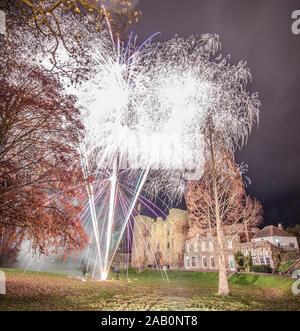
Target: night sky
{"type": "Point", "coordinates": [258, 31]}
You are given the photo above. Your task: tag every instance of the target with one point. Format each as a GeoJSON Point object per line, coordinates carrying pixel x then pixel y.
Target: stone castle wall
{"type": "Point", "coordinates": [159, 242]}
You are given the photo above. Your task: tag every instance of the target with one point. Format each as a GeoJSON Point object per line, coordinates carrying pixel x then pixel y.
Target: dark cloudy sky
{"type": "Point", "coordinates": [258, 31]}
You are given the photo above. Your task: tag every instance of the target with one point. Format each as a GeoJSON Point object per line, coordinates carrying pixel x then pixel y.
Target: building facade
{"type": "Point", "coordinates": [265, 247]}
{"type": "Point", "coordinates": [158, 242]}
{"type": "Point", "coordinates": [161, 243]}
{"type": "Point", "coordinates": [278, 237]}
{"type": "Point", "coordinates": [201, 253]}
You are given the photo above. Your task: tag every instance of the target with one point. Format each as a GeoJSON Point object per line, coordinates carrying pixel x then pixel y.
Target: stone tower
{"type": "Point", "coordinates": [159, 242]}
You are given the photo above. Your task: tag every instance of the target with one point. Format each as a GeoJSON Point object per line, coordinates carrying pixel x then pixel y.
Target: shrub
{"type": "Point", "coordinates": [248, 261]}
{"type": "Point", "coordinates": [265, 268]}
{"type": "Point", "coordinates": [239, 259]}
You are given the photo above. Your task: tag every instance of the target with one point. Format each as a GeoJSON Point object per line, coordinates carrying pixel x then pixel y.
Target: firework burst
{"type": "Point", "coordinates": [148, 110]}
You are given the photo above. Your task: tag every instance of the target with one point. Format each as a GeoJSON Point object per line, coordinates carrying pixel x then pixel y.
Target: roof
{"type": "Point", "coordinates": [272, 231]}
{"type": "Point", "coordinates": [257, 244]}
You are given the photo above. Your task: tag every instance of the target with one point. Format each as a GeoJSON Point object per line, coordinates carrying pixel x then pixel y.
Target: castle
{"type": "Point", "coordinates": [159, 243]}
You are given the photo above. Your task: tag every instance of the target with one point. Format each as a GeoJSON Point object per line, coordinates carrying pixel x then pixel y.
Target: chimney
{"type": "Point", "coordinates": [280, 227]}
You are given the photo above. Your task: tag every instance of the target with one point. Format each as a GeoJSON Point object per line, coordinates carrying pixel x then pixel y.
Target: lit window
{"type": "Point", "coordinates": [187, 262]}
{"type": "Point", "coordinates": [203, 246]}
{"type": "Point", "coordinates": [204, 261]}
{"type": "Point", "coordinates": [211, 246]}
{"type": "Point", "coordinates": [230, 244]}
{"type": "Point", "coordinates": [212, 262]}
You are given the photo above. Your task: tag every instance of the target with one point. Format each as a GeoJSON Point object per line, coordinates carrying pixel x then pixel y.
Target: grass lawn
{"type": "Point", "coordinates": [149, 290]}
{"type": "Point", "coordinates": [285, 265]}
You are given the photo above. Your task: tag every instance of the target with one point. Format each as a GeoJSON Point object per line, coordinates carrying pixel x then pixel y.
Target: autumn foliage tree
{"type": "Point", "coordinates": [41, 193]}
{"type": "Point", "coordinates": [10, 243]}
{"type": "Point", "coordinates": [62, 32]}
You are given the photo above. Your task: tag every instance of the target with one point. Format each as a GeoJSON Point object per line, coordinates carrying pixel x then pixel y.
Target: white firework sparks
{"type": "Point", "coordinates": [148, 109]}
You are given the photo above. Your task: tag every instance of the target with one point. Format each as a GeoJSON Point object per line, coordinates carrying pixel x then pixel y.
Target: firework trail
{"type": "Point", "coordinates": [147, 110]}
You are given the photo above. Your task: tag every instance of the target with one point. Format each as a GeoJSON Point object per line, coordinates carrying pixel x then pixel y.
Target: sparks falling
{"type": "Point", "coordinates": [146, 112]}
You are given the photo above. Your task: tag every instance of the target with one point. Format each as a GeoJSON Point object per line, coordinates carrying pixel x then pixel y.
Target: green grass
{"type": "Point", "coordinates": [149, 290]}
{"type": "Point", "coordinates": [285, 265]}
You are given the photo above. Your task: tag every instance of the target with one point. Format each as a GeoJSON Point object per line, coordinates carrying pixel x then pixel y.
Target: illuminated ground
{"type": "Point", "coordinates": [146, 291]}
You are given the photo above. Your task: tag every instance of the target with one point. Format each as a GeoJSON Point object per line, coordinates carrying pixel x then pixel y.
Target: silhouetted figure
{"type": "Point", "coordinates": [84, 270]}
{"type": "Point", "coordinates": [117, 273]}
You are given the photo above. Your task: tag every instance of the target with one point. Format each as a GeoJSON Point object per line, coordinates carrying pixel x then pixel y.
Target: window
{"type": "Point", "coordinates": [292, 245]}
{"type": "Point", "coordinates": [268, 260]}
{"type": "Point", "coordinates": [212, 262]}
{"type": "Point", "coordinates": [204, 261]}
{"type": "Point", "coordinates": [195, 247]}
{"type": "Point", "coordinates": [211, 246]}
{"type": "Point", "coordinates": [193, 261]}
{"type": "Point", "coordinates": [261, 257]}
{"type": "Point", "coordinates": [231, 262]}
{"type": "Point", "coordinates": [168, 245]}
{"type": "Point", "coordinates": [188, 247]}
{"type": "Point", "coordinates": [230, 244]}
{"type": "Point", "coordinates": [254, 260]}
{"type": "Point", "coordinates": [254, 257]}
{"type": "Point", "coordinates": [203, 246]}
{"type": "Point", "coordinates": [187, 262]}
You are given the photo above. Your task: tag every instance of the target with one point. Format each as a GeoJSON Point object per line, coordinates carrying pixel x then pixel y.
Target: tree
{"type": "Point", "coordinates": [248, 261]}
{"type": "Point", "coordinates": [239, 259]}
{"type": "Point", "coordinates": [62, 33]}
{"type": "Point", "coordinates": [43, 17]}
{"type": "Point", "coordinates": [295, 230]}
{"type": "Point", "coordinates": [41, 192]}
{"type": "Point", "coordinates": [218, 204]}
{"type": "Point", "coordinates": [252, 214]}
{"type": "Point", "coordinates": [10, 242]}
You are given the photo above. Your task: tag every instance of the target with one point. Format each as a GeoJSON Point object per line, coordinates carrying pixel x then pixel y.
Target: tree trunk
{"type": "Point", "coordinates": [247, 230]}
{"type": "Point", "coordinates": [223, 281]}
